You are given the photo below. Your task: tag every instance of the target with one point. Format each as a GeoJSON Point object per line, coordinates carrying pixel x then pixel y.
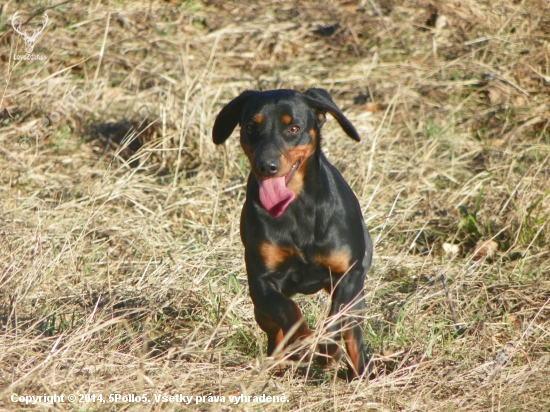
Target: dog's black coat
{"type": "Point", "coordinates": [316, 241]}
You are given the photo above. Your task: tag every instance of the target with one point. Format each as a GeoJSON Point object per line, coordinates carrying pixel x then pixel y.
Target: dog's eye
{"type": "Point", "coordinates": [249, 127]}
{"type": "Point", "coordinates": [294, 129]}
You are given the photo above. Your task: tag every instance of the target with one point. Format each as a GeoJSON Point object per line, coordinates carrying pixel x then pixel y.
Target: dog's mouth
{"type": "Point", "coordinates": [275, 196]}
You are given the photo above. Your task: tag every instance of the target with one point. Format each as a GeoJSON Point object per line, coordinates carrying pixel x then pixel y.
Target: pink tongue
{"type": "Point", "coordinates": [274, 195]}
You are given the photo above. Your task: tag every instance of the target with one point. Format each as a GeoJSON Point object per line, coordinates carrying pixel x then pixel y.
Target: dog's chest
{"type": "Point", "coordinates": [305, 269]}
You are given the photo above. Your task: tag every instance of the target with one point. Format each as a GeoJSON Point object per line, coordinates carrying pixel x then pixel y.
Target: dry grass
{"type": "Point", "coordinates": [121, 268]}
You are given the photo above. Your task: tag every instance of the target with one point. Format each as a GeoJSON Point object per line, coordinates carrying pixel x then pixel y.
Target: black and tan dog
{"type": "Point", "coordinates": [301, 224]}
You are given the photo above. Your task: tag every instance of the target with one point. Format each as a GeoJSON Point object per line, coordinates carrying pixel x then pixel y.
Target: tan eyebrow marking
{"type": "Point", "coordinates": [258, 118]}
{"type": "Point", "coordinates": [286, 118]}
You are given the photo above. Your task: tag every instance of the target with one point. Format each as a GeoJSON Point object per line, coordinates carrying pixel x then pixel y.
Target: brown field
{"type": "Point", "coordinates": [121, 267]}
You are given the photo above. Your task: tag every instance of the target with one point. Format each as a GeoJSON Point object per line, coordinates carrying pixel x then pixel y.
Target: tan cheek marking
{"type": "Point", "coordinates": [299, 152]}
{"type": "Point", "coordinates": [258, 118]}
{"type": "Point", "coordinates": [337, 261]}
{"type": "Point", "coordinates": [286, 118]}
{"type": "Point", "coordinates": [273, 255]}
{"type": "Point", "coordinates": [312, 134]}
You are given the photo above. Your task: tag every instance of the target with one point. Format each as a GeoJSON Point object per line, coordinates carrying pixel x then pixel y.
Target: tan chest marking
{"type": "Point", "coordinates": [273, 255]}
{"type": "Point", "coordinates": [336, 261]}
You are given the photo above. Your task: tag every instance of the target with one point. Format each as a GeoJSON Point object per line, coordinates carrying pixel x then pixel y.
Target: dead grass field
{"type": "Point", "coordinates": [121, 267]}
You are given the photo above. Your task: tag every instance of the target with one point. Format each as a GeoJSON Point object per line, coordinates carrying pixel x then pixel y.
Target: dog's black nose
{"type": "Point", "coordinates": [267, 168]}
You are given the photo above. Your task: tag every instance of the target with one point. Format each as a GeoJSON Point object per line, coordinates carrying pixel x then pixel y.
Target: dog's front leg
{"type": "Point", "coordinates": [346, 319]}
{"type": "Point", "coordinates": [277, 315]}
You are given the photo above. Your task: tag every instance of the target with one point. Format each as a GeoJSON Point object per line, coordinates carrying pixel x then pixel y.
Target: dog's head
{"type": "Point", "coordinates": [279, 133]}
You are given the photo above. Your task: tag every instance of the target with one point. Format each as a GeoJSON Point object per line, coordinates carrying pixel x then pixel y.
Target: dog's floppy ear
{"type": "Point", "coordinates": [230, 116]}
{"type": "Point", "coordinates": [320, 100]}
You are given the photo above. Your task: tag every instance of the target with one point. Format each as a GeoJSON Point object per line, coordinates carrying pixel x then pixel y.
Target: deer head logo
{"type": "Point", "coordinates": [28, 39]}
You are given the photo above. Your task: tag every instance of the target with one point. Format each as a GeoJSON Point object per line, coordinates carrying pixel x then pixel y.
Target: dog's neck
{"type": "Point", "coordinates": [312, 174]}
